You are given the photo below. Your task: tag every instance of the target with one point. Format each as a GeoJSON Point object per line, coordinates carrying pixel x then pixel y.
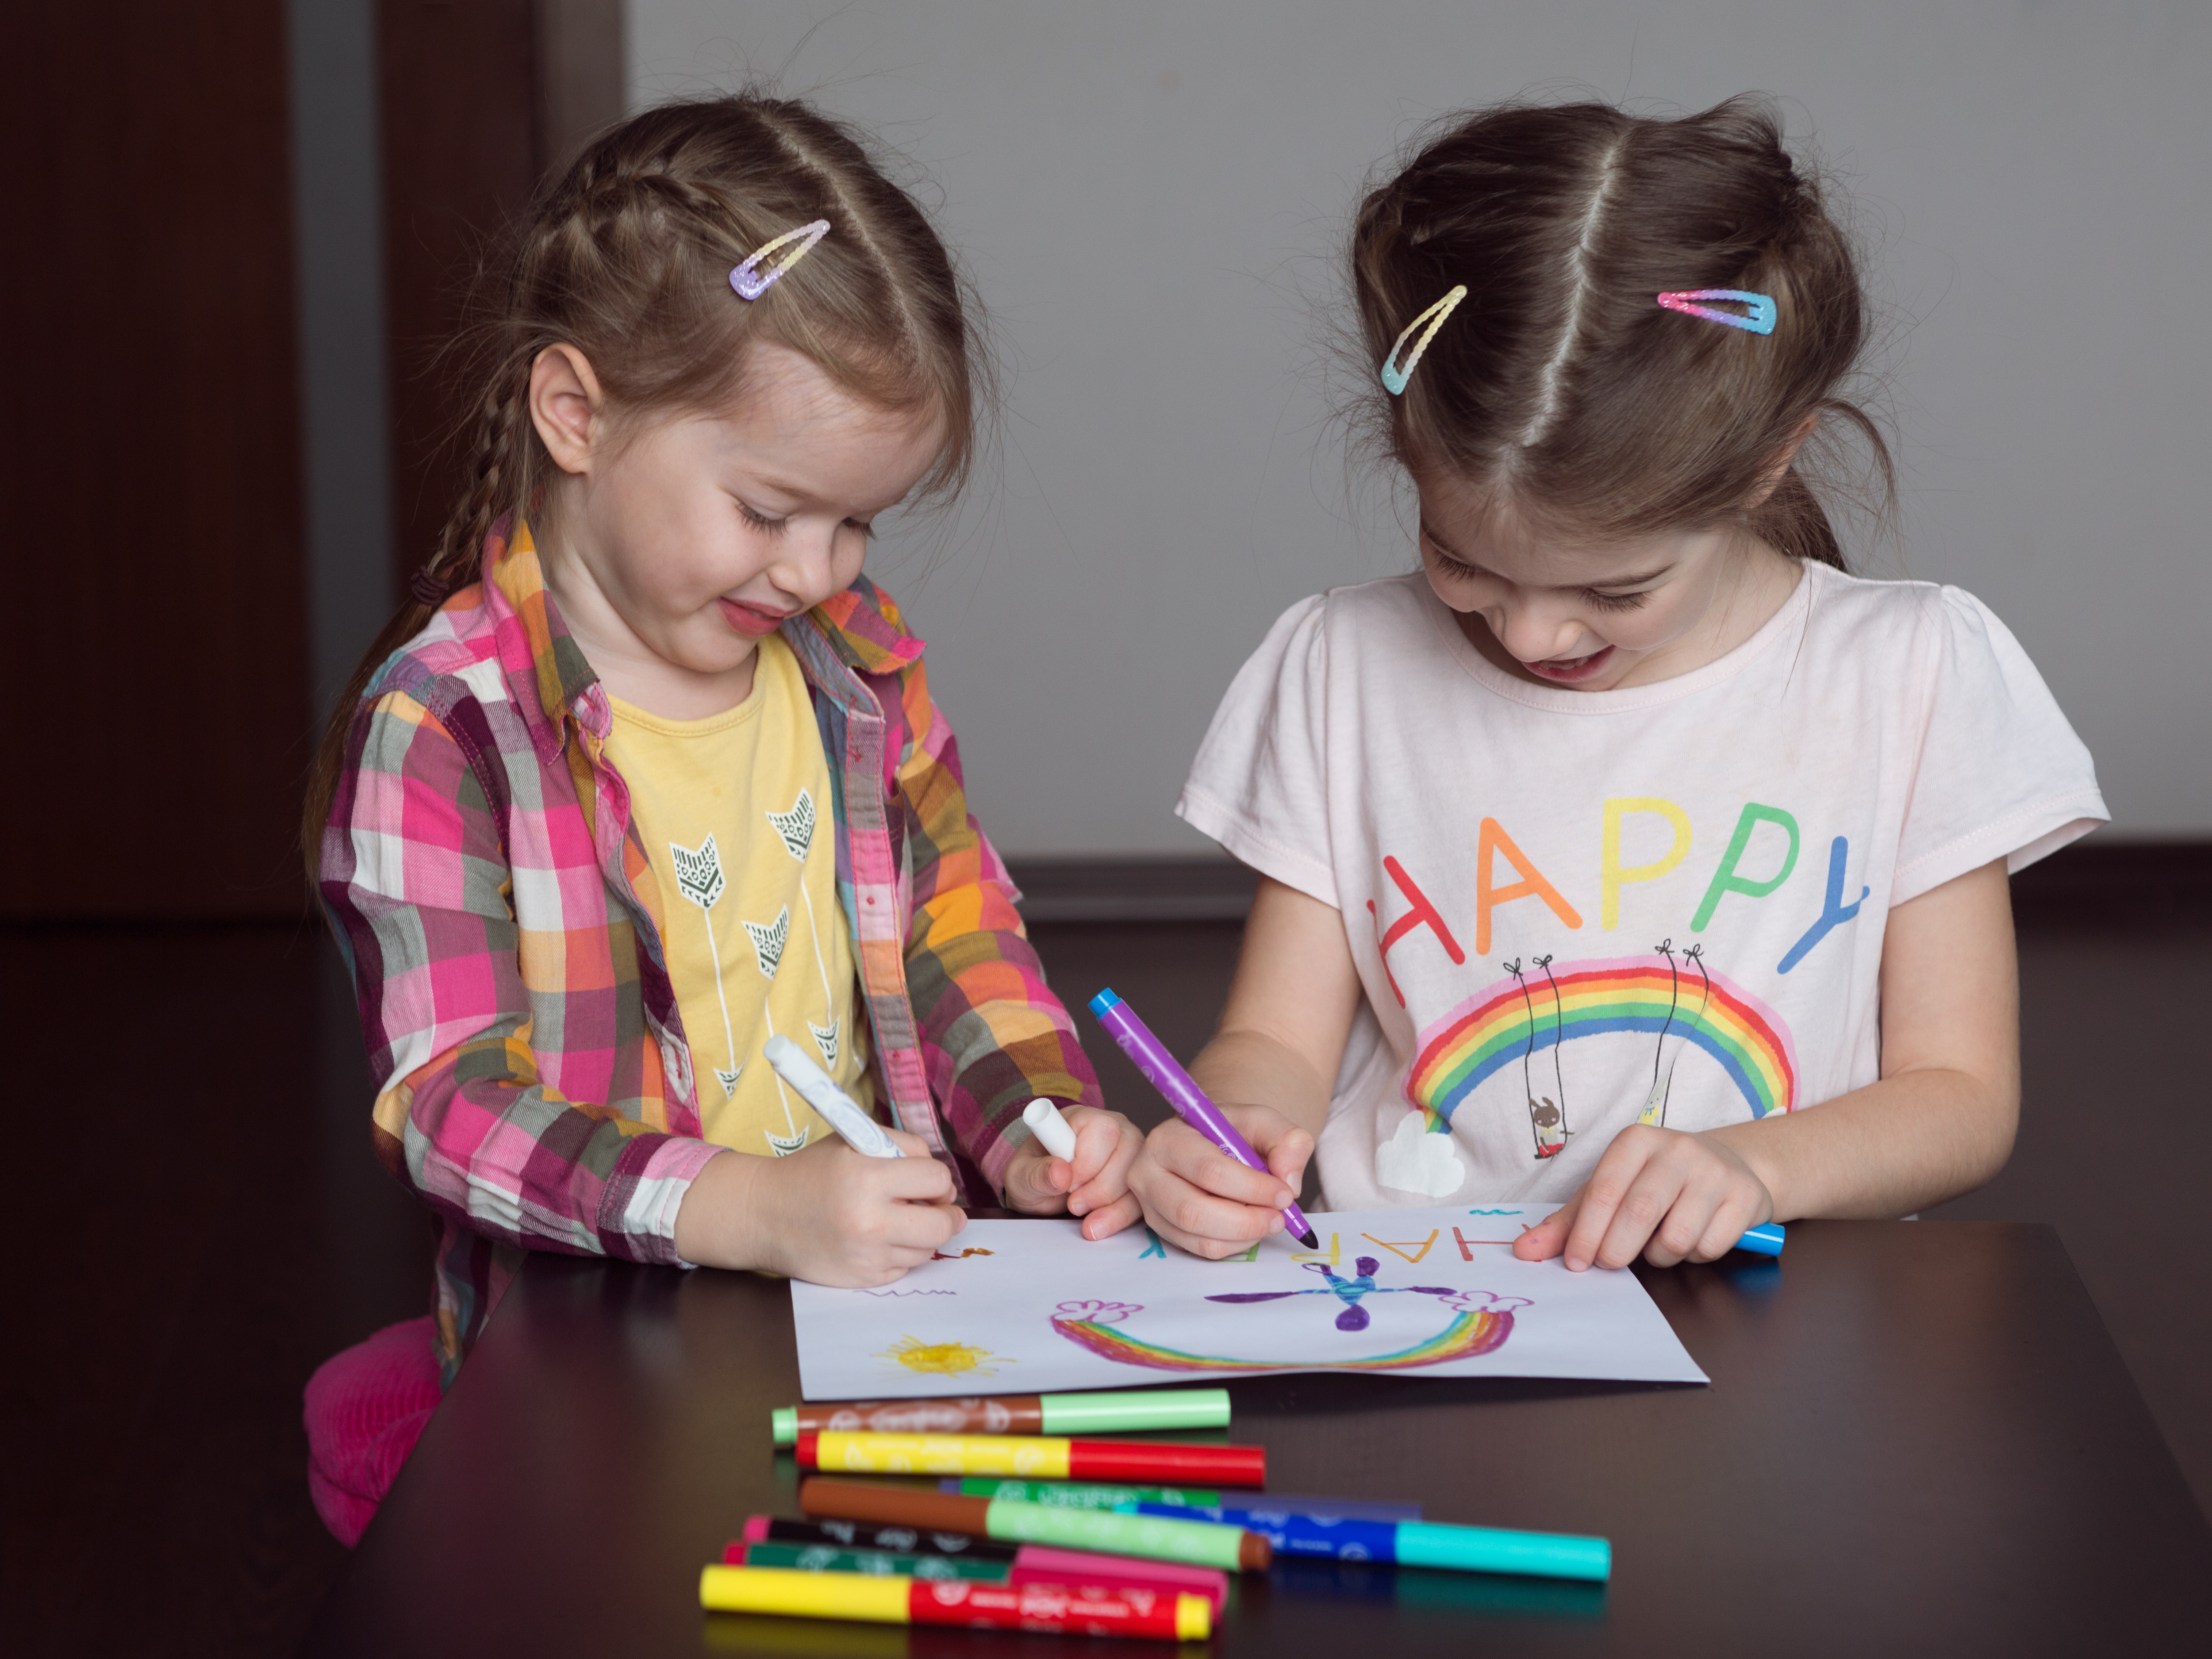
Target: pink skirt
{"type": "Point", "coordinates": [365, 1408]}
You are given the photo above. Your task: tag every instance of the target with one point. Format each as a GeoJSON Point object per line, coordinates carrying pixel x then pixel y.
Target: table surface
{"type": "Point", "coordinates": [1918, 1438]}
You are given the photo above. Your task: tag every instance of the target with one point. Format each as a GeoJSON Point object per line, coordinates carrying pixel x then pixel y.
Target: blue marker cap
{"type": "Point", "coordinates": [1103, 1001]}
{"type": "Point", "coordinates": [1762, 1241]}
{"type": "Point", "coordinates": [1488, 1549]}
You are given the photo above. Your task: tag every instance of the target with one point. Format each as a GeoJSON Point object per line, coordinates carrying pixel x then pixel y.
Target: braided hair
{"type": "Point", "coordinates": [626, 257]}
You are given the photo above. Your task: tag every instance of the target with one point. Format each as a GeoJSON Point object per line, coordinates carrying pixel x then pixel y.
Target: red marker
{"type": "Point", "coordinates": [1034, 1457]}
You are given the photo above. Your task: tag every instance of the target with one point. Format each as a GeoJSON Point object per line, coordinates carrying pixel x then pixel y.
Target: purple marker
{"type": "Point", "coordinates": [1150, 1056]}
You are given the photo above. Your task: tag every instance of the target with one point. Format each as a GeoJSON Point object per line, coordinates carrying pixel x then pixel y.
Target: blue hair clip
{"type": "Point", "coordinates": [1761, 321]}
{"type": "Point", "coordinates": [751, 283]}
{"type": "Point", "coordinates": [1395, 375]}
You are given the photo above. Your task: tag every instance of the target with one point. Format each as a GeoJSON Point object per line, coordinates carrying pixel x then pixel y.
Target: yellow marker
{"type": "Point", "coordinates": [1033, 1456]}
{"type": "Point", "coordinates": [897, 1599]}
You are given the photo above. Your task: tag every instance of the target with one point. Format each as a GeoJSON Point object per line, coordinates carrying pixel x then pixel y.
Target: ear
{"type": "Point", "coordinates": [1778, 465]}
{"type": "Point", "coordinates": [567, 407]}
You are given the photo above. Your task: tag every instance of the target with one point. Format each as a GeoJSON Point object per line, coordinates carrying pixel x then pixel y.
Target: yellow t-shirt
{"type": "Point", "coordinates": [734, 812]}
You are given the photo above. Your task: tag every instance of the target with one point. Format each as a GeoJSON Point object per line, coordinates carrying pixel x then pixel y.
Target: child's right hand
{"type": "Point", "coordinates": [827, 1214]}
{"type": "Point", "coordinates": [1197, 1197]}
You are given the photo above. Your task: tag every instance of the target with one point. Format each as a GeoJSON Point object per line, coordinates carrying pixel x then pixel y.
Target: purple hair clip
{"type": "Point", "coordinates": [751, 283]}
{"type": "Point", "coordinates": [1761, 321]}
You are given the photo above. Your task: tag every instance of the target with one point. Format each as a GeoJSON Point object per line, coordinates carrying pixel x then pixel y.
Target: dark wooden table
{"type": "Point", "coordinates": [1918, 1439]}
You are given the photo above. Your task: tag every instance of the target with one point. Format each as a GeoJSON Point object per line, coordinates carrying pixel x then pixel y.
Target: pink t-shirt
{"type": "Point", "coordinates": [1571, 911]}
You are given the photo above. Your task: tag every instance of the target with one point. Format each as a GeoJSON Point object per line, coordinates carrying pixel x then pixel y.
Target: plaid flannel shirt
{"type": "Point", "coordinates": [503, 929]}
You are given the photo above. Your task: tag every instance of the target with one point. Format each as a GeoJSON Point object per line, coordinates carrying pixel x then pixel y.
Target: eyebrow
{"type": "Point", "coordinates": [1635, 578]}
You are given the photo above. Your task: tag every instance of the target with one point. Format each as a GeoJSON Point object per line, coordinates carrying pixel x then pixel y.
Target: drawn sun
{"type": "Point", "coordinates": [944, 1358]}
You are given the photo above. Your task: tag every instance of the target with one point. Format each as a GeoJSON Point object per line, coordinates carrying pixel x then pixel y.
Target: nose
{"type": "Point", "coordinates": [1536, 632]}
{"type": "Point", "coordinates": [806, 568]}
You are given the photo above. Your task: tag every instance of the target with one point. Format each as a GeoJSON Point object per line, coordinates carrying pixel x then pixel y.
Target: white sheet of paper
{"type": "Point", "coordinates": [1031, 1307]}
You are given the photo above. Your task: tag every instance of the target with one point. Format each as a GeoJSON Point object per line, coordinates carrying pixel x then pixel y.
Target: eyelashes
{"type": "Point", "coordinates": [1598, 601]}
{"type": "Point", "coordinates": [1456, 571]}
{"type": "Point", "coordinates": [767, 526]}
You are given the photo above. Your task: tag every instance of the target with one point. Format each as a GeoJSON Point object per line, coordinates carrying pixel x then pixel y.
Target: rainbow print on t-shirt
{"type": "Point", "coordinates": [1503, 1023]}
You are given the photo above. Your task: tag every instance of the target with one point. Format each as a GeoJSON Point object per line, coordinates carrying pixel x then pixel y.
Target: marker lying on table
{"type": "Point", "coordinates": [1190, 1102]}
{"type": "Point", "coordinates": [1121, 1412]}
{"type": "Point", "coordinates": [859, 1535]}
{"type": "Point", "coordinates": [1032, 1564]}
{"type": "Point", "coordinates": [1200, 1543]}
{"type": "Point", "coordinates": [1763, 1240]}
{"type": "Point", "coordinates": [896, 1600]}
{"type": "Point", "coordinates": [1080, 1495]}
{"type": "Point", "coordinates": [1050, 1457]}
{"type": "Point", "coordinates": [860, 1131]}
{"type": "Point", "coordinates": [1416, 1543]}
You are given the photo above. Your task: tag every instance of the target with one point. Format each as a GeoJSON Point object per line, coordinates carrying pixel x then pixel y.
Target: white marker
{"type": "Point", "coordinates": [1049, 1127]}
{"type": "Point", "coordinates": [861, 1132]}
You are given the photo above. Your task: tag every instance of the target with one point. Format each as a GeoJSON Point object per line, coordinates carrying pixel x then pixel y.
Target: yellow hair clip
{"type": "Point", "coordinates": [1394, 378]}
{"type": "Point", "coordinates": [751, 281]}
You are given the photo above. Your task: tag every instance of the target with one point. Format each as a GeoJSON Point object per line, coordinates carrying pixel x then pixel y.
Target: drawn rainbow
{"type": "Point", "coordinates": [1491, 1030]}
{"type": "Point", "coordinates": [1469, 1335]}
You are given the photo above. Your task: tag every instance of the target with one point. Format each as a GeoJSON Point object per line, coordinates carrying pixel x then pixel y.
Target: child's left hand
{"type": "Point", "coordinates": [1093, 1184]}
{"type": "Point", "coordinates": [1671, 1195]}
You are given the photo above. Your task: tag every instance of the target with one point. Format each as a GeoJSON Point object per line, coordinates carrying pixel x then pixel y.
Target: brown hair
{"type": "Point", "coordinates": [627, 256]}
{"type": "Point", "coordinates": [1560, 381]}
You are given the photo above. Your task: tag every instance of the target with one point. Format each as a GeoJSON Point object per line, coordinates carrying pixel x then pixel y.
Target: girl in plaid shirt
{"type": "Point", "coordinates": [649, 771]}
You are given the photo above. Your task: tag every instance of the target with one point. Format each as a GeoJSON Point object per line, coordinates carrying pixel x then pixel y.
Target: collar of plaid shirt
{"type": "Point", "coordinates": [852, 639]}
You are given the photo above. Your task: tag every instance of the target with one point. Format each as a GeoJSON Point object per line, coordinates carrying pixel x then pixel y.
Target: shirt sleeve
{"type": "Point", "coordinates": [1260, 785]}
{"type": "Point", "coordinates": [415, 880]}
{"type": "Point", "coordinates": [993, 1037]}
{"type": "Point", "coordinates": [2000, 773]}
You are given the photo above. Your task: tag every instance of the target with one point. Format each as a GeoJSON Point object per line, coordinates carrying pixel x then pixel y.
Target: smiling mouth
{"type": "Point", "coordinates": [1566, 671]}
{"type": "Point", "coordinates": [751, 619]}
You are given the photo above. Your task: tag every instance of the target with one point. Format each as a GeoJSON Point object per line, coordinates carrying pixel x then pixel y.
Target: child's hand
{"type": "Point", "coordinates": [1094, 1184]}
{"type": "Point", "coordinates": [1671, 1195]}
{"type": "Point", "coordinates": [1195, 1195]}
{"type": "Point", "coordinates": [826, 1214]}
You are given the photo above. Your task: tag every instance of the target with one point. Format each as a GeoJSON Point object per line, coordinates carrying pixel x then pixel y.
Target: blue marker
{"type": "Point", "coordinates": [1412, 1543]}
{"type": "Point", "coordinates": [1762, 1241]}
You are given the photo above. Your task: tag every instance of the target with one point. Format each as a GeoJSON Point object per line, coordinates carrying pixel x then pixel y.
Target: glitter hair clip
{"type": "Point", "coordinates": [751, 281]}
{"type": "Point", "coordinates": [1395, 375]}
{"type": "Point", "coordinates": [1761, 320]}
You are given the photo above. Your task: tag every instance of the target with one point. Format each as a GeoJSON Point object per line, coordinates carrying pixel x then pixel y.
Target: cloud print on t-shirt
{"type": "Point", "coordinates": [1414, 1160]}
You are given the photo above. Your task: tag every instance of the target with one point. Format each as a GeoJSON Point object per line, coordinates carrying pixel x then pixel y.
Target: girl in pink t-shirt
{"type": "Point", "coordinates": [1631, 825]}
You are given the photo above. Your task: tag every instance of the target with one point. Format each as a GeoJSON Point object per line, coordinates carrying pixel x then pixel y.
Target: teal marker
{"type": "Point", "coordinates": [1413, 1543]}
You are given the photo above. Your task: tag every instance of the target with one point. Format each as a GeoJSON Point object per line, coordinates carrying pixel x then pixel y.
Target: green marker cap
{"type": "Point", "coordinates": [1200, 1543]}
{"type": "Point", "coordinates": [1489, 1549]}
{"type": "Point", "coordinates": [784, 1420]}
{"type": "Point", "coordinates": [1135, 1410]}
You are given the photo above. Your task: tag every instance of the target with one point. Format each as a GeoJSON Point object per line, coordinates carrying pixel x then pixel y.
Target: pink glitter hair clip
{"type": "Point", "coordinates": [1761, 321]}
{"type": "Point", "coordinates": [751, 281]}
{"type": "Point", "coordinates": [1395, 373]}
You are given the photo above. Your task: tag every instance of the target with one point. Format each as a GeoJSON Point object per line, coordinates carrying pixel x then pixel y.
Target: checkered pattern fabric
{"type": "Point", "coordinates": [503, 928]}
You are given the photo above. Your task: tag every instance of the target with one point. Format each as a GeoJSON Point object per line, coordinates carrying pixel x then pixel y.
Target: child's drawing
{"type": "Point", "coordinates": [1480, 1323]}
{"type": "Point", "coordinates": [1393, 1293]}
{"type": "Point", "coordinates": [1353, 1317]}
{"type": "Point", "coordinates": [943, 1358]}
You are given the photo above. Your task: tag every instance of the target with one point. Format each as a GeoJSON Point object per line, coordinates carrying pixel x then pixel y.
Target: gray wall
{"type": "Point", "coordinates": [1147, 194]}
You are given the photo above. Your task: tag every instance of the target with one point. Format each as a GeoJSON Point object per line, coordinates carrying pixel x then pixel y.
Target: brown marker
{"type": "Point", "coordinates": [1200, 1543]}
{"type": "Point", "coordinates": [1124, 1411]}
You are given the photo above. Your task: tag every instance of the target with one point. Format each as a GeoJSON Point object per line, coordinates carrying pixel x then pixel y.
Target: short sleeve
{"type": "Point", "coordinates": [1260, 785]}
{"type": "Point", "coordinates": [2000, 773]}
